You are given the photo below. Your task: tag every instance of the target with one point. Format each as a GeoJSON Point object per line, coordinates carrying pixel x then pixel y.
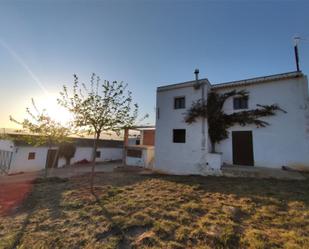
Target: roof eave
{"type": "Point", "coordinates": [181, 85]}
{"type": "Point", "coordinates": [258, 80]}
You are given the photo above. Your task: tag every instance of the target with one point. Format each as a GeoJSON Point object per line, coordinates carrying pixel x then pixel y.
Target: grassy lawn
{"type": "Point", "coordinates": [135, 211]}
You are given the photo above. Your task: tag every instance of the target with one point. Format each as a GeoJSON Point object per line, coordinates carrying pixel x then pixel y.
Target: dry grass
{"type": "Point", "coordinates": [134, 211]}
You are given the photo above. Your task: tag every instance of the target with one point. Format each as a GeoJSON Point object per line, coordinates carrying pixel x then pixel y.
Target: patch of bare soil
{"type": "Point", "coordinates": [12, 195]}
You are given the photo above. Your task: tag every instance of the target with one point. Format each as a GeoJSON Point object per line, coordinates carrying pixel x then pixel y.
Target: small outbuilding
{"type": "Point", "coordinates": [16, 155]}
{"type": "Point", "coordinates": [140, 153]}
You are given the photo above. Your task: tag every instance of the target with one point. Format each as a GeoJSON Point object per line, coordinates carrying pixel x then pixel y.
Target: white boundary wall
{"type": "Point", "coordinates": [107, 154]}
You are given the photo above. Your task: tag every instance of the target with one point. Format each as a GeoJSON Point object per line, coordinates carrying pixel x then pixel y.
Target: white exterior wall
{"type": "Point", "coordinates": [147, 159]}
{"type": "Point", "coordinates": [135, 161]}
{"type": "Point", "coordinates": [178, 158]}
{"type": "Point", "coordinates": [6, 145]}
{"type": "Point", "coordinates": [132, 140]}
{"type": "Point", "coordinates": [82, 153]}
{"type": "Point", "coordinates": [107, 154]}
{"type": "Point", "coordinates": [20, 162]}
{"type": "Point", "coordinates": [286, 140]}
{"type": "Point", "coordinates": [110, 154]}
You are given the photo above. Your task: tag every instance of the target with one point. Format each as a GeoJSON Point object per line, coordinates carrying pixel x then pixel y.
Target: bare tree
{"type": "Point", "coordinates": [99, 107]}
{"type": "Point", "coordinates": [42, 129]}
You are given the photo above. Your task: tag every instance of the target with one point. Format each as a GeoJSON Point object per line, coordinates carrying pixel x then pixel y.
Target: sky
{"type": "Point", "coordinates": [146, 44]}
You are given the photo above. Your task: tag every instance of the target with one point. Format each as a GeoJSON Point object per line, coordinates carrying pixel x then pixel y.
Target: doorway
{"type": "Point", "coordinates": [242, 148]}
{"type": "Point", "coordinates": [51, 155]}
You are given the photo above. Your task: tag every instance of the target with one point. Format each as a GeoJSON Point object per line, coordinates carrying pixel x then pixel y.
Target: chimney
{"type": "Point", "coordinates": [196, 84]}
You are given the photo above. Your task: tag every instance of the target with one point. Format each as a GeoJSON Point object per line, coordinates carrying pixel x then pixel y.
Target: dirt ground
{"type": "Point", "coordinates": [13, 194]}
{"type": "Point", "coordinates": [15, 188]}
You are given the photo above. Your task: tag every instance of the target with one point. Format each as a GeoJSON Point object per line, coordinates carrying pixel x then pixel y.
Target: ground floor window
{"type": "Point", "coordinates": [31, 156]}
{"type": "Point", "coordinates": [134, 153]}
{"type": "Point", "coordinates": [98, 154]}
{"type": "Point", "coordinates": [179, 136]}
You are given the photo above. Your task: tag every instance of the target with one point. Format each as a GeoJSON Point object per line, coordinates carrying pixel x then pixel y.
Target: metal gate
{"type": "Point", "coordinates": [5, 161]}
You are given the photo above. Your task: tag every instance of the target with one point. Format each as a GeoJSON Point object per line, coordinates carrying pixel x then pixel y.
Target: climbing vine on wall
{"type": "Point", "coordinates": [219, 122]}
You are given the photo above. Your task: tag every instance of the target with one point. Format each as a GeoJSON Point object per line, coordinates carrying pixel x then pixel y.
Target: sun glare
{"type": "Point", "coordinates": [55, 111]}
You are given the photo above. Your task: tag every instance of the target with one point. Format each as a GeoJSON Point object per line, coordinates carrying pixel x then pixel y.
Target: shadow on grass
{"type": "Point", "coordinates": [115, 229]}
{"type": "Point", "coordinates": [286, 190]}
{"type": "Point", "coordinates": [118, 179]}
{"type": "Point", "coordinates": [163, 204]}
{"type": "Point", "coordinates": [31, 203]}
{"type": "Point", "coordinates": [43, 192]}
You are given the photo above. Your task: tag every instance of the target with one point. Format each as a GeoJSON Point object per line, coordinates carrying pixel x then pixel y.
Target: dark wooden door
{"type": "Point", "coordinates": [51, 154]}
{"type": "Point", "coordinates": [242, 148]}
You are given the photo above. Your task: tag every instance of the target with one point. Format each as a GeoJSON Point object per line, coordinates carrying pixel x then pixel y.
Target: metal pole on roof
{"type": "Point", "coordinates": [296, 41]}
{"type": "Point", "coordinates": [203, 119]}
{"type": "Point", "coordinates": [202, 84]}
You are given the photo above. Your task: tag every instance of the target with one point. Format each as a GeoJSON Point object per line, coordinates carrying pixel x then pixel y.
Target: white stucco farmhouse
{"type": "Point", "coordinates": [181, 148]}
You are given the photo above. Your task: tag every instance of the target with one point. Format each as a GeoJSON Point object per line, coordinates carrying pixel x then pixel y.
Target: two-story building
{"type": "Point", "coordinates": [183, 148]}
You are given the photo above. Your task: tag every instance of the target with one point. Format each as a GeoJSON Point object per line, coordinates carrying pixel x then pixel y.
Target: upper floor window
{"type": "Point", "coordinates": [179, 103]}
{"type": "Point", "coordinates": [179, 136]}
{"type": "Point", "coordinates": [240, 103]}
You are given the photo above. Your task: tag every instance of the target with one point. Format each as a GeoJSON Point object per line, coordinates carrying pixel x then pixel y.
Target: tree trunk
{"type": "Point", "coordinates": [55, 159]}
{"type": "Point", "coordinates": [46, 169]}
{"type": "Point", "coordinates": [67, 161]}
{"type": "Point", "coordinates": [94, 152]}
